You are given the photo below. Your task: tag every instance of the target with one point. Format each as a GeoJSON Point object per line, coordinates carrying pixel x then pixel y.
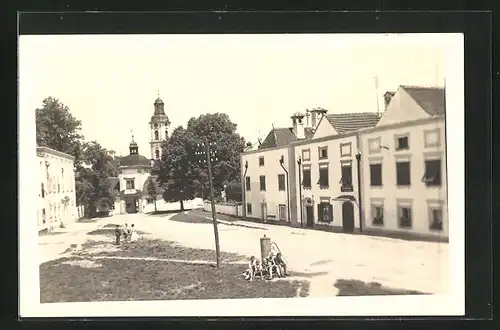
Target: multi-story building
{"type": "Point", "coordinates": [358, 171]}
{"type": "Point", "coordinates": [404, 165]}
{"type": "Point", "coordinates": [56, 190]}
{"type": "Point", "coordinates": [325, 187]}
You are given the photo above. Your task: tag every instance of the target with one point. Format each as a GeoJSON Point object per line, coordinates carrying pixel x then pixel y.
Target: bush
{"type": "Point", "coordinates": [233, 192]}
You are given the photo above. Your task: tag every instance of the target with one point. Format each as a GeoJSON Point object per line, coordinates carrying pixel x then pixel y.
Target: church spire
{"type": "Point", "coordinates": [133, 147]}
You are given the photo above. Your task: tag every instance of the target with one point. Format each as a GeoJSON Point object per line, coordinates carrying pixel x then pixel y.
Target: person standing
{"type": "Point", "coordinates": [133, 233]}
{"type": "Point", "coordinates": [118, 234]}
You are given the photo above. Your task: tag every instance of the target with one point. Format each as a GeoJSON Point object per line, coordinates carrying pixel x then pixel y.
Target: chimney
{"type": "Point", "coordinates": [308, 118]}
{"type": "Point", "coordinates": [387, 99]}
{"type": "Point", "coordinates": [298, 125]}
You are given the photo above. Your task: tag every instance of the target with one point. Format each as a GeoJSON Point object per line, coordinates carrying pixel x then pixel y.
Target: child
{"type": "Point", "coordinates": [118, 234]}
{"type": "Point", "coordinates": [133, 234]}
{"type": "Point", "coordinates": [250, 272]}
{"type": "Point", "coordinates": [126, 233]}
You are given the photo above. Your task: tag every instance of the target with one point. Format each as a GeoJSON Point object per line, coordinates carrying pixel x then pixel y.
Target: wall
{"type": "Point", "coordinates": [417, 193]}
{"type": "Point", "coordinates": [334, 174]}
{"type": "Point", "coordinates": [139, 174]}
{"type": "Point", "coordinates": [162, 206]}
{"type": "Point", "coordinates": [402, 108]}
{"type": "Point", "coordinates": [324, 128]}
{"type": "Point", "coordinates": [272, 196]}
{"type": "Point", "coordinates": [58, 180]}
{"type": "Point", "coordinates": [228, 209]}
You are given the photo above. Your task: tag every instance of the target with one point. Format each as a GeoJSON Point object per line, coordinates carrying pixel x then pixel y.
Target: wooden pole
{"type": "Point", "coordinates": [214, 218]}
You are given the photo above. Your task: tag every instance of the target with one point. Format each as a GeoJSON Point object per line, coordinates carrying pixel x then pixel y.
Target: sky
{"type": "Point", "coordinates": [110, 82]}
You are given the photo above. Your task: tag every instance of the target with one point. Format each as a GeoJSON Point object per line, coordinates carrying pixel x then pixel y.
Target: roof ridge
{"type": "Point", "coordinates": [422, 87]}
{"type": "Point", "coordinates": [353, 113]}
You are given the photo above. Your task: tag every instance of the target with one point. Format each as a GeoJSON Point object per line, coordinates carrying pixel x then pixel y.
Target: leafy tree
{"type": "Point", "coordinates": [176, 168]}
{"type": "Point", "coordinates": [56, 128]}
{"type": "Point", "coordinates": [217, 128]}
{"type": "Point", "coordinates": [233, 192]}
{"type": "Point", "coordinates": [152, 191]}
{"type": "Point", "coordinates": [92, 184]}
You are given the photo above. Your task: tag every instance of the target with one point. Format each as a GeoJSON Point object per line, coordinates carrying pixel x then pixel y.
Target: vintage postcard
{"type": "Point", "coordinates": [241, 175]}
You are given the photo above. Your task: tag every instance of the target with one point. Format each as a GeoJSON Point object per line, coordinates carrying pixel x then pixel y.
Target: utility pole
{"type": "Point", "coordinates": [211, 155]}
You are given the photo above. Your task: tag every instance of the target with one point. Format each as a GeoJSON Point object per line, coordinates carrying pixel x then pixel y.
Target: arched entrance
{"type": "Point", "coordinates": [347, 212]}
{"type": "Point", "coordinates": [131, 205]}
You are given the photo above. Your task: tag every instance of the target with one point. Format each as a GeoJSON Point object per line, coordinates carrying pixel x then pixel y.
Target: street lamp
{"type": "Point", "coordinates": [282, 161]}
{"type": "Point", "coordinates": [358, 161]}
{"type": "Point", "coordinates": [299, 163]}
{"type": "Point", "coordinates": [245, 190]}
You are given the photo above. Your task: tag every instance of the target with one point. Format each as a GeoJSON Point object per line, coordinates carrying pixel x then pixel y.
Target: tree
{"type": "Point", "coordinates": [176, 167]}
{"type": "Point", "coordinates": [219, 129]}
{"type": "Point", "coordinates": [152, 190]}
{"type": "Point", "coordinates": [92, 183]}
{"type": "Point", "coordinates": [56, 128]}
{"type": "Point", "coordinates": [233, 192]}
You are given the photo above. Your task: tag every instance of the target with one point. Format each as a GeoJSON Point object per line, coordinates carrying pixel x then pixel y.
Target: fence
{"type": "Point", "coordinates": [225, 208]}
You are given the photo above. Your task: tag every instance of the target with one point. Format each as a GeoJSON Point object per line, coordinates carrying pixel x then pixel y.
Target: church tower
{"type": "Point", "coordinates": [158, 126]}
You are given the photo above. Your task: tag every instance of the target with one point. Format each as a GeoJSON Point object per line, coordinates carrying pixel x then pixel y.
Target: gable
{"type": "Point", "coordinates": [402, 108]}
{"type": "Point", "coordinates": [324, 128]}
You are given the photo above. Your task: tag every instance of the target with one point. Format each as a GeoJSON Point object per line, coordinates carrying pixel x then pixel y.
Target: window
{"type": "Point", "coordinates": [282, 211]}
{"type": "Point", "coordinates": [306, 155]}
{"type": "Point", "coordinates": [130, 183]}
{"type": "Point", "coordinates": [156, 125]}
{"type": "Point", "coordinates": [157, 135]}
{"type": "Point", "coordinates": [249, 208]}
{"type": "Point", "coordinates": [281, 182]}
{"type": "Point", "coordinates": [375, 175]}
{"type": "Point", "coordinates": [404, 216]}
{"type": "Point", "coordinates": [44, 216]}
{"type": "Point", "coordinates": [345, 149]}
{"type": "Point", "coordinates": [323, 152]}
{"type": "Point", "coordinates": [432, 138]}
{"type": "Point", "coordinates": [432, 175]}
{"type": "Point", "coordinates": [402, 143]}
{"type": "Point", "coordinates": [157, 154]}
{"type": "Point", "coordinates": [323, 176]}
{"type": "Point", "coordinates": [325, 212]}
{"type": "Point", "coordinates": [436, 218]}
{"type": "Point", "coordinates": [166, 134]}
{"type": "Point", "coordinates": [378, 214]}
{"type": "Point", "coordinates": [403, 173]}
{"type": "Point", "coordinates": [374, 145]}
{"type": "Point", "coordinates": [247, 183]}
{"type": "Point", "coordinates": [261, 161]}
{"type": "Point", "coordinates": [346, 173]}
{"type": "Point", "coordinates": [262, 180]}
{"type": "Point", "coordinates": [43, 190]}
{"type": "Point", "coordinates": [306, 177]}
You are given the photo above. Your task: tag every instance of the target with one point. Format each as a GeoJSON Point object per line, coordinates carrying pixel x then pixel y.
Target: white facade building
{"type": "Point", "coordinates": [56, 189]}
{"type": "Point", "coordinates": [357, 172]}
{"type": "Point", "coordinates": [404, 165]}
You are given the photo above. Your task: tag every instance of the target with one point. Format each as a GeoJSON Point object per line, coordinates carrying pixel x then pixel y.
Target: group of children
{"type": "Point", "coordinates": [129, 234]}
{"type": "Point", "coordinates": [271, 266]}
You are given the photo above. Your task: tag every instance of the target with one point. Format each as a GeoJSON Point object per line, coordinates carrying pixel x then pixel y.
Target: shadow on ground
{"type": "Point", "coordinates": [160, 213]}
{"type": "Point", "coordinates": [152, 248]}
{"type": "Point", "coordinates": [307, 275]}
{"type": "Point", "coordinates": [360, 288]}
{"type": "Point", "coordinates": [110, 231]}
{"type": "Point", "coordinates": [80, 278]}
{"type": "Point", "coordinates": [206, 218]}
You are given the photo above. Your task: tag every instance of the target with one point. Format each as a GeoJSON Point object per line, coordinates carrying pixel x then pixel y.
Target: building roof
{"type": "Point", "coordinates": [431, 99]}
{"type": "Point", "coordinates": [280, 137]}
{"type": "Point", "coordinates": [133, 160]}
{"type": "Point", "coordinates": [159, 189]}
{"type": "Point", "coordinates": [348, 122]}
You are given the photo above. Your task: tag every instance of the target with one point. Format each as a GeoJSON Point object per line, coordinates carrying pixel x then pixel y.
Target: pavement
{"type": "Point", "coordinates": [317, 256]}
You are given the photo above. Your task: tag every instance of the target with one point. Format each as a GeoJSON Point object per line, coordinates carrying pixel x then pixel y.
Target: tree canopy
{"type": "Point", "coordinates": [183, 172]}
{"type": "Point", "coordinates": [58, 129]}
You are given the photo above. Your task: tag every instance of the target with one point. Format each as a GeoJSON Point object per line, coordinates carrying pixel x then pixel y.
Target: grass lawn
{"type": "Point", "coordinates": [360, 288]}
{"type": "Point", "coordinates": [79, 278]}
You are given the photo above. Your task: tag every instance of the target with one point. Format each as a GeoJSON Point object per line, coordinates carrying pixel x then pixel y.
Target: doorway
{"type": "Point", "coordinates": [131, 205]}
{"type": "Point", "coordinates": [309, 216]}
{"type": "Point", "coordinates": [348, 217]}
{"type": "Point", "coordinates": [282, 212]}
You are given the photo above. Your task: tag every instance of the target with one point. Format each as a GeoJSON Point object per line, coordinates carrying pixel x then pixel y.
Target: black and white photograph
{"type": "Point", "coordinates": [241, 175]}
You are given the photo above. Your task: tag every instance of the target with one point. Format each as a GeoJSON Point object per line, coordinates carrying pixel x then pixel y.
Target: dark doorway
{"type": "Point", "coordinates": [131, 205]}
{"type": "Point", "coordinates": [309, 216]}
{"type": "Point", "coordinates": [347, 217]}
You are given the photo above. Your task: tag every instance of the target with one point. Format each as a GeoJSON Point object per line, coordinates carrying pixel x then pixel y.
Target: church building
{"type": "Point", "coordinates": [134, 171]}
